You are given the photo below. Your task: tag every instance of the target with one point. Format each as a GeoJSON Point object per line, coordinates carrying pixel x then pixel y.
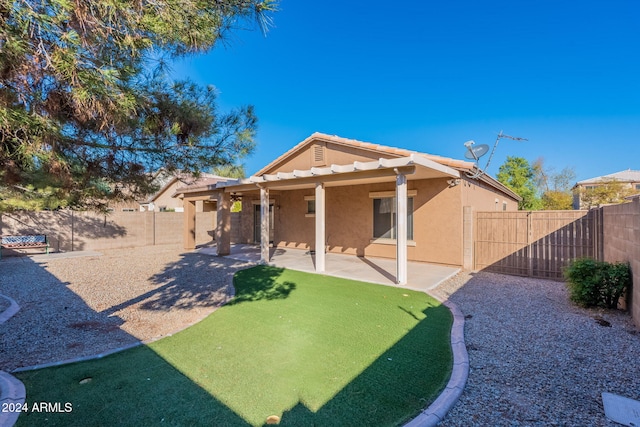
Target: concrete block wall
{"type": "Point", "coordinates": [77, 231]}
{"type": "Point", "coordinates": [621, 243]}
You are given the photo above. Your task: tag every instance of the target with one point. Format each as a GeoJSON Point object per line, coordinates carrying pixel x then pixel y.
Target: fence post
{"type": "Point", "coordinates": [600, 234]}
{"type": "Point", "coordinates": [529, 244]}
{"type": "Point", "coordinates": [72, 231]}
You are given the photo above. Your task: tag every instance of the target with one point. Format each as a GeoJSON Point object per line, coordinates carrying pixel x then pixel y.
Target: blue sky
{"type": "Point", "coordinates": [428, 76]}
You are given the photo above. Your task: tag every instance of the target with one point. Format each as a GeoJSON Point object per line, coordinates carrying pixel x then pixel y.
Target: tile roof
{"type": "Point", "coordinates": [203, 180]}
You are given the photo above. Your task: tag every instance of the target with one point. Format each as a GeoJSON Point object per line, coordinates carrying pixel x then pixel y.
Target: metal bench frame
{"type": "Point", "coordinates": [26, 241]}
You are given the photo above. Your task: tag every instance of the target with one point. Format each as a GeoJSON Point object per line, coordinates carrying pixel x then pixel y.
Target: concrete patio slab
{"type": "Point", "coordinates": [422, 276]}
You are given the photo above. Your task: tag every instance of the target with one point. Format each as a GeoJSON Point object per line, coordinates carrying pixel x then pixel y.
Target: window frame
{"type": "Point", "coordinates": [380, 195]}
{"type": "Point", "coordinates": [308, 200]}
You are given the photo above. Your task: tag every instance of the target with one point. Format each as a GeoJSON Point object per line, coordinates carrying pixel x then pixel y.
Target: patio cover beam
{"type": "Point", "coordinates": [326, 179]}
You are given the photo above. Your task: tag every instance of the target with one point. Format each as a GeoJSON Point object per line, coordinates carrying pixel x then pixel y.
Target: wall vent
{"type": "Point", "coordinates": [318, 153]}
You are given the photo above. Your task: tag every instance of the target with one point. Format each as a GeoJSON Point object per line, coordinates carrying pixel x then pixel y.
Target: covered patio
{"type": "Point", "coordinates": [397, 171]}
{"type": "Point", "coordinates": [421, 277]}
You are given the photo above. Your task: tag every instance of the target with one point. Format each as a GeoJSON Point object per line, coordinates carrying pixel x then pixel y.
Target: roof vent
{"type": "Point", "coordinates": [318, 155]}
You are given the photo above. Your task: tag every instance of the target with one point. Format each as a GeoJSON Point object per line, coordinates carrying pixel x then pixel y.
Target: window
{"type": "Point", "coordinates": [504, 206]}
{"type": "Point", "coordinates": [311, 206]}
{"type": "Point", "coordinates": [128, 210]}
{"type": "Point", "coordinates": [637, 186]}
{"type": "Point", "coordinates": [384, 218]}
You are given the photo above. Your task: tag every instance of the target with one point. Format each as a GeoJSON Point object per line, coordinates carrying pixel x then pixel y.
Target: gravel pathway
{"type": "Point", "coordinates": [77, 307]}
{"type": "Point", "coordinates": [536, 359]}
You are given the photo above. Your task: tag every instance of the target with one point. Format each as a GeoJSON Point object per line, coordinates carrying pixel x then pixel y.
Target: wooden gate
{"type": "Point", "coordinates": [532, 243]}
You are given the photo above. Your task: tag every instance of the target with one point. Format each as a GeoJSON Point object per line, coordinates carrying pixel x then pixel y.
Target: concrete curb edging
{"type": "Point", "coordinates": [230, 295]}
{"type": "Point", "coordinates": [11, 389]}
{"type": "Point", "coordinates": [9, 312]}
{"type": "Point", "coordinates": [436, 412]}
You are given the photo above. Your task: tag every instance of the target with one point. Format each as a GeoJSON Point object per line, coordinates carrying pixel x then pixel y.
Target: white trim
{"type": "Point", "coordinates": [307, 198]}
{"type": "Point", "coordinates": [412, 160]}
{"type": "Point", "coordinates": [321, 235]}
{"type": "Point", "coordinates": [309, 215]}
{"type": "Point", "coordinates": [389, 194]}
{"type": "Point", "coordinates": [385, 241]}
{"type": "Point", "coordinates": [264, 225]}
{"type": "Point", "coordinates": [401, 229]}
{"type": "Point", "coordinates": [257, 202]}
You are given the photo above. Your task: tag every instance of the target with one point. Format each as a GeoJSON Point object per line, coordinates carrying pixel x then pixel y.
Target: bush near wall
{"type": "Point", "coordinates": [597, 283]}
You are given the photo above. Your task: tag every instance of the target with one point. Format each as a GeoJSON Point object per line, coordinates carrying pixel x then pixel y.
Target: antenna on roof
{"type": "Point", "coordinates": [474, 153]}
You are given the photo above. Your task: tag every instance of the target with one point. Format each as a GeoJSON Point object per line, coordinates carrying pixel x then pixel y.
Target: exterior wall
{"type": "Point", "coordinates": [349, 221]}
{"type": "Point", "coordinates": [164, 199]}
{"type": "Point", "coordinates": [80, 231]}
{"type": "Point", "coordinates": [621, 241]}
{"type": "Point", "coordinates": [334, 154]}
{"type": "Point", "coordinates": [483, 198]}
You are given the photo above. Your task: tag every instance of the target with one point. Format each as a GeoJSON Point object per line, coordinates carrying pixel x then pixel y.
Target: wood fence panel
{"type": "Point", "coordinates": [536, 244]}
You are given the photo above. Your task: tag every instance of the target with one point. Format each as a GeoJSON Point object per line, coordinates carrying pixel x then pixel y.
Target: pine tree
{"type": "Point", "coordinates": [86, 111]}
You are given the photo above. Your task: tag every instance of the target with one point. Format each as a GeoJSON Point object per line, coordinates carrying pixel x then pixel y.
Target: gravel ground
{"type": "Point", "coordinates": [4, 304]}
{"type": "Point", "coordinates": [536, 359]}
{"type": "Point", "coordinates": [75, 307]}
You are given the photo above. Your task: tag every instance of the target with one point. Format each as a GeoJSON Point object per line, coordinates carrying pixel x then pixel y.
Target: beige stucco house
{"type": "Point", "coordinates": [629, 181]}
{"type": "Point", "coordinates": [332, 194]}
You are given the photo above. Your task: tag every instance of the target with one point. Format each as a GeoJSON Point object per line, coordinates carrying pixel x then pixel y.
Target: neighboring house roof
{"type": "Point", "coordinates": [623, 176]}
{"type": "Point", "coordinates": [188, 181]}
{"type": "Point", "coordinates": [207, 182]}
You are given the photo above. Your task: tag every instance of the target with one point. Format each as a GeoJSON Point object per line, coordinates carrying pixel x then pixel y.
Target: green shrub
{"type": "Point", "coordinates": [596, 283]}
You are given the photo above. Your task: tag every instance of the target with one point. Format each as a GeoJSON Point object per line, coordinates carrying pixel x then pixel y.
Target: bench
{"type": "Point", "coordinates": [28, 241]}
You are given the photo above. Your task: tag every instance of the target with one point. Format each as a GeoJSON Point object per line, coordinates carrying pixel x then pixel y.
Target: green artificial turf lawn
{"type": "Point", "coordinates": [312, 349]}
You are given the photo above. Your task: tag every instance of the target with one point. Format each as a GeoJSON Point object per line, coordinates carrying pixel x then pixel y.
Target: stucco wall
{"type": "Point", "coordinates": [165, 200]}
{"type": "Point", "coordinates": [483, 198]}
{"type": "Point", "coordinates": [621, 242]}
{"type": "Point", "coordinates": [334, 154]}
{"type": "Point", "coordinates": [349, 221]}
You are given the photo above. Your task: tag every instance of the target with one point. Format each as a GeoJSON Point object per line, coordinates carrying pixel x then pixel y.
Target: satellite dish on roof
{"type": "Point", "coordinates": [474, 153]}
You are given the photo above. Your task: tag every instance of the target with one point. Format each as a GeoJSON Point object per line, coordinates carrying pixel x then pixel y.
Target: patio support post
{"type": "Point", "coordinates": [223, 228]}
{"type": "Point", "coordinates": [264, 225]}
{"type": "Point", "coordinates": [189, 221]}
{"type": "Point", "coordinates": [401, 229]}
{"type": "Point", "coordinates": [320, 228]}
